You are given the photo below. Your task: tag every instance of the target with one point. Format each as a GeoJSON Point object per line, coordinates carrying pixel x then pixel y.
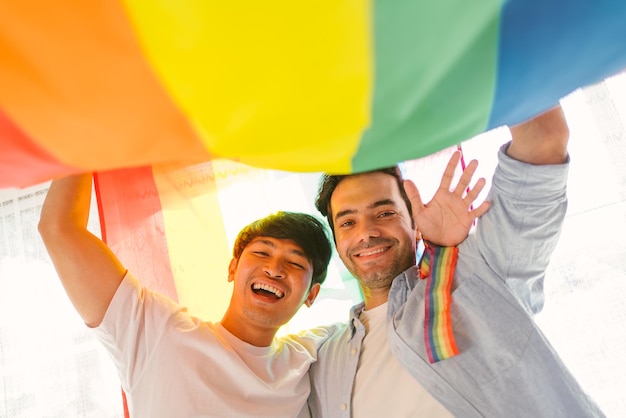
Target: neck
{"type": "Point", "coordinates": [258, 336]}
{"type": "Point", "coordinates": [374, 297]}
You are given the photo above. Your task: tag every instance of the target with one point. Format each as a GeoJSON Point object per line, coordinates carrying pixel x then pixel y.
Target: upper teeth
{"type": "Point", "coordinates": [268, 288]}
{"type": "Point", "coordinates": [380, 250]}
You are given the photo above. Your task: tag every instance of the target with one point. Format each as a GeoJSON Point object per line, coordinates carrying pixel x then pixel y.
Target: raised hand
{"type": "Point", "coordinates": [447, 219]}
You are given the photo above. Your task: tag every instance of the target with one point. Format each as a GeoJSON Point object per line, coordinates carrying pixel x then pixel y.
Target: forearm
{"type": "Point", "coordinates": [89, 271]}
{"type": "Point", "coordinates": [541, 140]}
{"type": "Point", "coordinates": [67, 203]}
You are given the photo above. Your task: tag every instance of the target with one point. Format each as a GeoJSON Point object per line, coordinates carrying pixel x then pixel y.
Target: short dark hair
{"type": "Point", "coordinates": [329, 182]}
{"type": "Point", "coordinates": [305, 230]}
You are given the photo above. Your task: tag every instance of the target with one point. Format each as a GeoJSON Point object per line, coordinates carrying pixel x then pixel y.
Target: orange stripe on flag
{"type": "Point", "coordinates": [75, 80]}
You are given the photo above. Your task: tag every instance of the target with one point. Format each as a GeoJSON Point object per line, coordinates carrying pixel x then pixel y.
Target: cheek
{"type": "Point", "coordinates": [342, 243]}
{"type": "Point", "coordinates": [411, 239]}
{"type": "Point", "coordinates": [244, 270]}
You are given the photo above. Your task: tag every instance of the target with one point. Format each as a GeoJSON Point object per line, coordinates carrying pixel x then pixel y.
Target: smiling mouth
{"type": "Point", "coordinates": [267, 290]}
{"type": "Point", "coordinates": [372, 252]}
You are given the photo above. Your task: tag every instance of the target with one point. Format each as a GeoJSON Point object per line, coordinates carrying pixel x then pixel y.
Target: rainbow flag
{"type": "Point", "coordinates": [304, 86]}
{"type": "Point", "coordinates": [152, 95]}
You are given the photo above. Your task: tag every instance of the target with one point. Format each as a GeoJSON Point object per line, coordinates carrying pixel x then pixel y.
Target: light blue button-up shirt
{"type": "Point", "coordinates": [505, 366]}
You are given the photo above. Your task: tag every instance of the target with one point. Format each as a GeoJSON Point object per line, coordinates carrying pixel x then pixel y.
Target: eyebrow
{"type": "Point", "coordinates": [374, 205]}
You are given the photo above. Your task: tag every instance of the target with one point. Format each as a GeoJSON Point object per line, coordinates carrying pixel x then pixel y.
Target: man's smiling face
{"type": "Point", "coordinates": [373, 232]}
{"type": "Point", "coordinates": [272, 279]}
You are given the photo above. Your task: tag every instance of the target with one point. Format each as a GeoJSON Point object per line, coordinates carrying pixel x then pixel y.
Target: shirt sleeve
{"type": "Point", "coordinates": [133, 325]}
{"type": "Point", "coordinates": [519, 233]}
{"type": "Point", "coordinates": [312, 339]}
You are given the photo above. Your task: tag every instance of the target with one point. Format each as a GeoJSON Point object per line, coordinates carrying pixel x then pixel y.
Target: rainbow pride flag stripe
{"type": "Point", "coordinates": [437, 268]}
{"type": "Point", "coordinates": [166, 225]}
{"type": "Point", "coordinates": [306, 86]}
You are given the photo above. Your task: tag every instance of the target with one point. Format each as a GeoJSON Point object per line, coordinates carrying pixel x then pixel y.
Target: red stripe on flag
{"type": "Point", "coordinates": [133, 227]}
{"type": "Point", "coordinates": [126, 412]}
{"type": "Point", "coordinates": [22, 161]}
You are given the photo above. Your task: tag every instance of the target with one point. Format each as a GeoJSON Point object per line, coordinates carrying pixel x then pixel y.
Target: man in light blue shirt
{"type": "Point", "coordinates": [500, 365]}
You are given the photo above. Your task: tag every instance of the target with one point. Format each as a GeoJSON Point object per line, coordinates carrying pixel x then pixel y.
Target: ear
{"type": "Point", "coordinates": [232, 268]}
{"type": "Point", "coordinates": [315, 289]}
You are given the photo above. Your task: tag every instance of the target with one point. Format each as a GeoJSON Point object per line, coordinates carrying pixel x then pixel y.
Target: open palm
{"type": "Point", "coordinates": [447, 219]}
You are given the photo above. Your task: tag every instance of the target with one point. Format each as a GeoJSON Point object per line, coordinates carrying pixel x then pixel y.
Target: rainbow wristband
{"type": "Point", "coordinates": [437, 267]}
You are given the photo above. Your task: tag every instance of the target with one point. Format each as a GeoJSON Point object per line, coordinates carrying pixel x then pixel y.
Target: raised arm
{"type": "Point", "coordinates": [528, 196]}
{"type": "Point", "coordinates": [89, 271]}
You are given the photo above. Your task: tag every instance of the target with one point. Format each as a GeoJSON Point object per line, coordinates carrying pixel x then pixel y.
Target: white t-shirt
{"type": "Point", "coordinates": [380, 376]}
{"type": "Point", "coordinates": [174, 365]}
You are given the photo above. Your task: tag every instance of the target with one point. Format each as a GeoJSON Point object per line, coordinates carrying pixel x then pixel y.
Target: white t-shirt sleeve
{"type": "Point", "coordinates": [136, 317]}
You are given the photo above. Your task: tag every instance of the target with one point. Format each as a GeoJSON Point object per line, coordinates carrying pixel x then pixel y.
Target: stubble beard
{"type": "Point", "coordinates": [381, 276]}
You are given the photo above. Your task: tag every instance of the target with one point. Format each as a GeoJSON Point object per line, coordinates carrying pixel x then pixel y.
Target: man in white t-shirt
{"type": "Point", "coordinates": [172, 364]}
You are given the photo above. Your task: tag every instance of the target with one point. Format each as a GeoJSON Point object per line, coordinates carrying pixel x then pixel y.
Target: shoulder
{"type": "Point", "coordinates": [136, 304]}
{"type": "Point", "coordinates": [312, 339]}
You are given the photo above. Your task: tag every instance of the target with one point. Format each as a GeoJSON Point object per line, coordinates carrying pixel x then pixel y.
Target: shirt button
{"type": "Point", "coordinates": [353, 351]}
{"type": "Point", "coordinates": [343, 406]}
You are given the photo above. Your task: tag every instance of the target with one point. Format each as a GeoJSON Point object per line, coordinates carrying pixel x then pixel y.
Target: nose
{"type": "Point", "coordinates": [274, 268]}
{"type": "Point", "coordinates": [367, 229]}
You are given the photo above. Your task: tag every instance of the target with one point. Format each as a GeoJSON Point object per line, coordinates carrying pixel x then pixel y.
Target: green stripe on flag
{"type": "Point", "coordinates": [434, 83]}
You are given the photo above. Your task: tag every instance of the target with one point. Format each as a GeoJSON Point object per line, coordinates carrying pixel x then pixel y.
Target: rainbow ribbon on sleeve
{"type": "Point", "coordinates": [437, 267]}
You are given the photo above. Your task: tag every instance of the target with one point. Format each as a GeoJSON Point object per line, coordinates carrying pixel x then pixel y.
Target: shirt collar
{"type": "Point", "coordinates": [405, 280]}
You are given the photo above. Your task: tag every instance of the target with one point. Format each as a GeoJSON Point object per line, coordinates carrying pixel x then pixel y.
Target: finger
{"type": "Point", "coordinates": [466, 177]}
{"type": "Point", "coordinates": [481, 210]}
{"type": "Point", "coordinates": [414, 196]}
{"type": "Point", "coordinates": [473, 193]}
{"type": "Point", "coordinates": [448, 174]}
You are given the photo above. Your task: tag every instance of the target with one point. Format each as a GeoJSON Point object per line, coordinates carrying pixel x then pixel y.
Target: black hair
{"type": "Point", "coordinates": [329, 182]}
{"type": "Point", "coordinates": [305, 230]}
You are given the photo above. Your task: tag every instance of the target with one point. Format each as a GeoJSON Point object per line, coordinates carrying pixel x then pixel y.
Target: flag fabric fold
{"type": "Point", "coordinates": [342, 87]}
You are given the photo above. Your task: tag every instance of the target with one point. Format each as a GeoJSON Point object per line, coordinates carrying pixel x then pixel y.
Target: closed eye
{"type": "Point", "coordinates": [297, 265]}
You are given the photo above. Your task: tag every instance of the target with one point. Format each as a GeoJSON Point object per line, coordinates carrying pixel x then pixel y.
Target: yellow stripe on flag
{"type": "Point", "coordinates": [260, 79]}
{"type": "Point", "coordinates": [196, 238]}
